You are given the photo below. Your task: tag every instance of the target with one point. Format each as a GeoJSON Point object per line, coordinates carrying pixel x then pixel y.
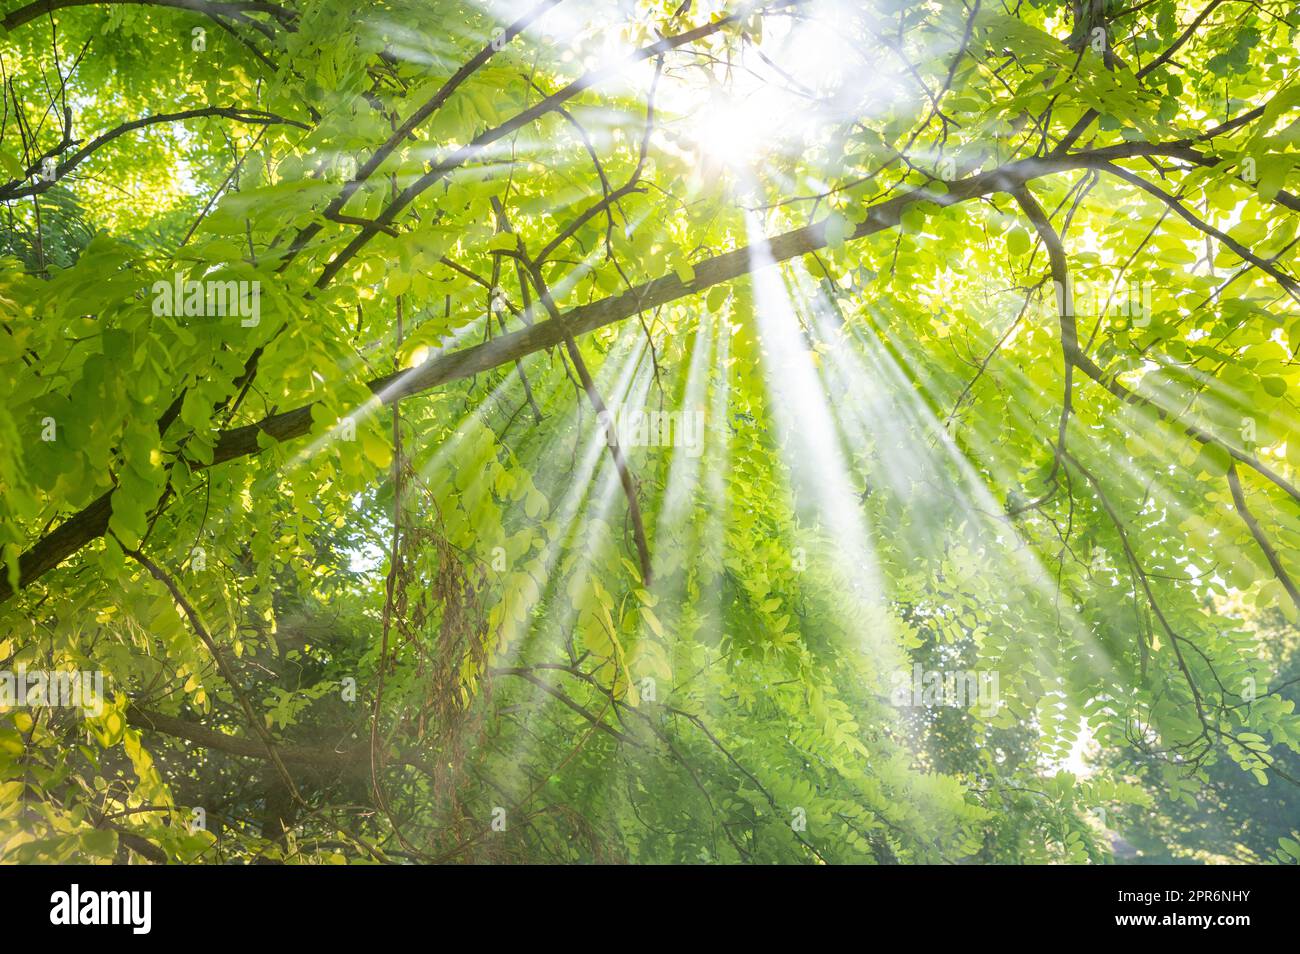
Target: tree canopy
{"type": "Point", "coordinates": [801, 431]}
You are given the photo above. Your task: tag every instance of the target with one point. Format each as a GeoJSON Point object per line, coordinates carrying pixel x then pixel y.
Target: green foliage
{"type": "Point", "coordinates": [336, 627]}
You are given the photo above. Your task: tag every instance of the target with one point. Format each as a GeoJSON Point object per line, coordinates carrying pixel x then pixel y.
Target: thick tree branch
{"type": "Point", "coordinates": [201, 735]}
{"type": "Point", "coordinates": [91, 522]}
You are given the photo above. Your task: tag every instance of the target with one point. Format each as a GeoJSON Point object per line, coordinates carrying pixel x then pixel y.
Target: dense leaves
{"type": "Point", "coordinates": [572, 431]}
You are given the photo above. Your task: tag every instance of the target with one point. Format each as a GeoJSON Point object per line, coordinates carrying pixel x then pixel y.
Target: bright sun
{"type": "Point", "coordinates": [731, 131]}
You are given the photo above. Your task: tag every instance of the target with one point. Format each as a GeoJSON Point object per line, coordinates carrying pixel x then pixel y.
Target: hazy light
{"type": "Point", "coordinates": [731, 131]}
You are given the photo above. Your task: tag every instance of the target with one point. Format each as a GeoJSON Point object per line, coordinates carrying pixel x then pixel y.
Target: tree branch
{"type": "Point", "coordinates": [92, 521]}
{"type": "Point", "coordinates": [1256, 531]}
{"type": "Point", "coordinates": [16, 190]}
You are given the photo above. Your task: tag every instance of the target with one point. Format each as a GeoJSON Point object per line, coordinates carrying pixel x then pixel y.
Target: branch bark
{"type": "Point", "coordinates": [92, 521]}
{"type": "Point", "coordinates": [201, 735]}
